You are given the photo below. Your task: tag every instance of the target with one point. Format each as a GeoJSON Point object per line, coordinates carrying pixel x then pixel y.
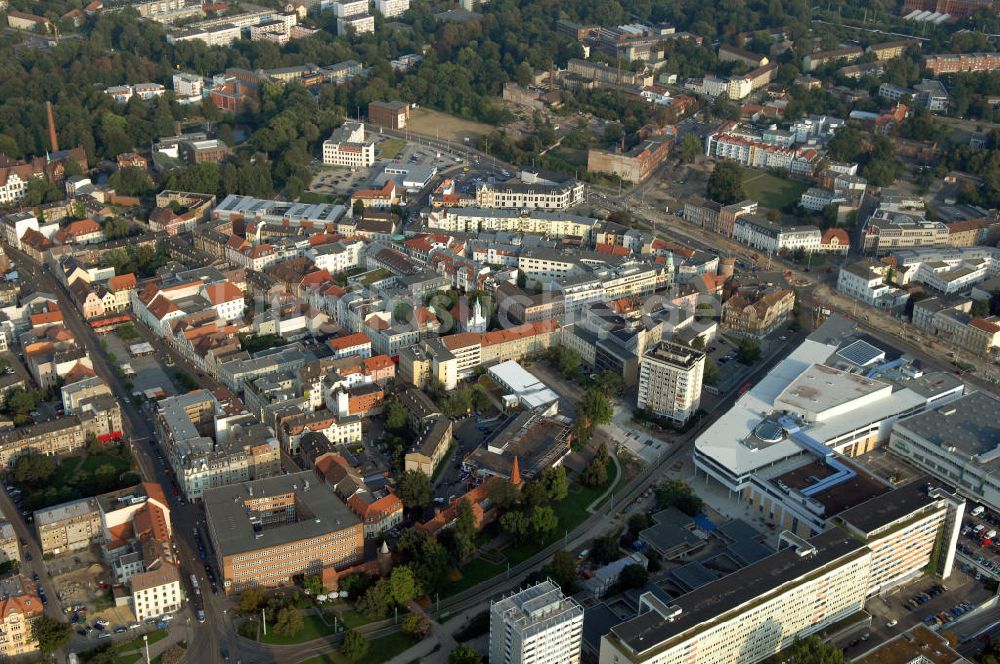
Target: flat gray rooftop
{"type": "Point", "coordinates": [319, 512]}
{"type": "Point", "coordinates": [651, 631]}
{"type": "Point", "coordinates": [969, 424]}
{"type": "Point", "coordinates": [897, 504]}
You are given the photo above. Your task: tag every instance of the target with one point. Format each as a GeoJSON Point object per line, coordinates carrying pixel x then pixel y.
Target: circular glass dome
{"type": "Point", "coordinates": [769, 431]}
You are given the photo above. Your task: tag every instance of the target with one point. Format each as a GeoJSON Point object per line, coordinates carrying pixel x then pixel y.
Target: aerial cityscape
{"type": "Point", "coordinates": [500, 332]}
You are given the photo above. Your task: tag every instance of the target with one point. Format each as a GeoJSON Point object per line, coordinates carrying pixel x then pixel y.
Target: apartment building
{"type": "Point", "coordinates": [337, 429]}
{"type": "Point", "coordinates": [865, 281]}
{"type": "Point", "coordinates": [903, 527]}
{"type": "Point", "coordinates": [773, 238]}
{"type": "Point", "coordinates": [208, 449]}
{"type": "Point", "coordinates": [957, 63]}
{"type": "Point", "coordinates": [537, 222]}
{"type": "Point", "coordinates": [814, 61]}
{"type": "Point", "coordinates": [214, 35]}
{"type": "Point", "coordinates": [756, 149]}
{"type": "Point", "coordinates": [19, 606]}
{"type": "Point", "coordinates": [15, 225]}
{"type": "Point", "coordinates": [536, 624]}
{"type": "Point", "coordinates": [10, 548]}
{"type": "Point", "coordinates": [348, 147]}
{"type": "Point", "coordinates": [433, 431]}
{"type": "Point", "coordinates": [157, 592]}
{"type": "Point", "coordinates": [947, 270]}
{"type": "Point", "coordinates": [729, 53]}
{"type": "Point", "coordinates": [753, 613]}
{"type": "Point", "coordinates": [602, 73]}
{"type": "Point", "coordinates": [757, 313]}
{"type": "Point", "coordinates": [379, 511]}
{"type": "Point", "coordinates": [890, 50]}
{"type": "Point", "coordinates": [68, 527]}
{"type": "Point", "coordinates": [265, 532]}
{"type": "Point", "coordinates": [715, 216]}
{"type": "Point", "coordinates": [670, 381]}
{"type": "Point", "coordinates": [184, 294]}
{"type": "Point", "coordinates": [534, 194]}
{"type": "Point", "coordinates": [98, 416]}
{"type": "Point", "coordinates": [188, 86]}
{"type": "Point", "coordinates": [25, 21]}
{"type": "Point", "coordinates": [350, 7]}
{"type": "Point", "coordinates": [390, 8]}
{"type": "Point", "coordinates": [351, 345]}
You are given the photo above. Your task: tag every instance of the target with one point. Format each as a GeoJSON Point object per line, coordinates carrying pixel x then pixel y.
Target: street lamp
{"type": "Point", "coordinates": [145, 640]}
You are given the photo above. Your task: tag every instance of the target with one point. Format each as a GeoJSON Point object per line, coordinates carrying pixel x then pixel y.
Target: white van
{"type": "Point", "coordinates": [977, 510]}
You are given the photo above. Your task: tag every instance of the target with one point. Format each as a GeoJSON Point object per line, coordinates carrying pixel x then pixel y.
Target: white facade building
{"type": "Point", "coordinates": [865, 281]}
{"type": "Point", "coordinates": [670, 381]}
{"type": "Point", "coordinates": [772, 238]}
{"type": "Point", "coordinates": [157, 592]}
{"type": "Point", "coordinates": [187, 85]}
{"type": "Point", "coordinates": [360, 23]}
{"type": "Point", "coordinates": [348, 147]}
{"type": "Point", "coordinates": [350, 7]}
{"type": "Point", "coordinates": [16, 224]}
{"type": "Point", "coordinates": [751, 614]}
{"type": "Point", "coordinates": [535, 625]}
{"type": "Point", "coordinates": [389, 8]}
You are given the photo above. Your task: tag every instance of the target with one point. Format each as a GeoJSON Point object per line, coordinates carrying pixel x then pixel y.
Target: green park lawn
{"type": "Point", "coordinates": [352, 619]}
{"type": "Point", "coordinates": [770, 190]}
{"type": "Point", "coordinates": [379, 650]}
{"type": "Point", "coordinates": [313, 627]}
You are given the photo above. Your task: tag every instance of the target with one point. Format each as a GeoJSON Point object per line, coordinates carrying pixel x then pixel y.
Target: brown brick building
{"type": "Point", "coordinates": [267, 531]}
{"type": "Point", "coordinates": [392, 114]}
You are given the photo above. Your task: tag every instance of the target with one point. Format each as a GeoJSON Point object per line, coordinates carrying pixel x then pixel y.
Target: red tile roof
{"type": "Point", "coordinates": [349, 341]}
{"type": "Point", "coordinates": [122, 282]}
{"type": "Point", "coordinates": [222, 292]}
{"type": "Point", "coordinates": [520, 332]}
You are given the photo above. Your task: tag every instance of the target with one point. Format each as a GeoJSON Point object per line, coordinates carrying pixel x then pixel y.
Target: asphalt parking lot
{"type": "Point", "coordinates": [149, 372]}
{"type": "Point", "coordinates": [979, 541]}
{"type": "Point", "coordinates": [940, 603]}
{"type": "Point", "coordinates": [468, 434]}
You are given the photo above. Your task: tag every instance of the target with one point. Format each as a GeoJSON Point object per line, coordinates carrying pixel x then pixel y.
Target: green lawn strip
{"type": "Point", "coordinates": [135, 644]}
{"type": "Point", "coordinates": [313, 627]}
{"type": "Point", "coordinates": [352, 619]}
{"type": "Point", "coordinates": [475, 571]}
{"type": "Point", "coordinates": [130, 658]}
{"type": "Point", "coordinates": [379, 650]}
{"type": "Point", "coordinates": [392, 147]}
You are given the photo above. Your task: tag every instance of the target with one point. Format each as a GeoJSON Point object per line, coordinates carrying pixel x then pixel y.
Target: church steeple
{"type": "Point", "coordinates": [515, 474]}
